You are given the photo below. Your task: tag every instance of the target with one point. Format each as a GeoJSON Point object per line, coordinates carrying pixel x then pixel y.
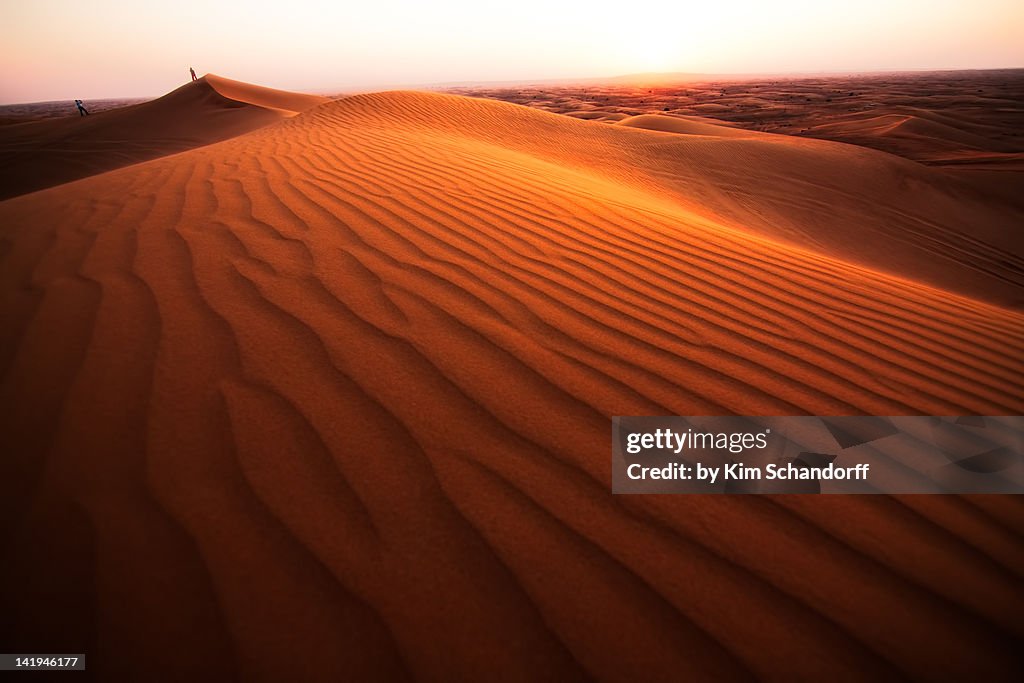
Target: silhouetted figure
{"type": "Point", "coordinates": [82, 111]}
{"type": "Point", "coordinates": [193, 72]}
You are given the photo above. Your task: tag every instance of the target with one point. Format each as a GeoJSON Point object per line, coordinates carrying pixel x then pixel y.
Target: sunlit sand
{"type": "Point", "coordinates": [327, 385]}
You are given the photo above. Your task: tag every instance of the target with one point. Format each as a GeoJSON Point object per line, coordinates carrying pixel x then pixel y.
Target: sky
{"type": "Point", "coordinates": [89, 49]}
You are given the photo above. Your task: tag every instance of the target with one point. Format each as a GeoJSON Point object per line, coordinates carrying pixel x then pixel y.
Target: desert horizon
{"type": "Point", "coordinates": [639, 79]}
{"type": "Point", "coordinates": [105, 49]}
{"type": "Point", "coordinates": [337, 386]}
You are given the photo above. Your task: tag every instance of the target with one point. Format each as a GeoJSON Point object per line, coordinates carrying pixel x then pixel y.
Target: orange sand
{"type": "Point", "coordinates": [331, 400]}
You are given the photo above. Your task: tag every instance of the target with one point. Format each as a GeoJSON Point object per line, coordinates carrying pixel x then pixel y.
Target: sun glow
{"type": "Point", "coordinates": [53, 49]}
{"type": "Point", "coordinates": [650, 53]}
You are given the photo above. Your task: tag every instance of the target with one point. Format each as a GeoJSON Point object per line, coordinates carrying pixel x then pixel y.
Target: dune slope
{"type": "Point", "coordinates": [40, 154]}
{"type": "Point", "coordinates": [289, 103]}
{"type": "Point", "coordinates": [332, 400]}
{"type": "Point", "coordinates": [686, 125]}
{"type": "Point", "coordinates": [927, 136]}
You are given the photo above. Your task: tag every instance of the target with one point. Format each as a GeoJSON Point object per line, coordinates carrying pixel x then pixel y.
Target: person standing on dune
{"type": "Point", "coordinates": [82, 111]}
{"type": "Point", "coordinates": [193, 72]}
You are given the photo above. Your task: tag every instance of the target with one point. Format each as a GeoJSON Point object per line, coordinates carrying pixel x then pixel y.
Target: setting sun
{"type": "Point", "coordinates": [650, 48]}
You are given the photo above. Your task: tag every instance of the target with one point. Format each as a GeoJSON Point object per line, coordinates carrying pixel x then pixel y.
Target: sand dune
{"type": "Point", "coordinates": [685, 125]}
{"type": "Point", "coordinates": [331, 400]}
{"type": "Point", "coordinates": [966, 121]}
{"type": "Point", "coordinates": [926, 136]}
{"type": "Point", "coordinates": [39, 154]}
{"type": "Point", "coordinates": [289, 103]}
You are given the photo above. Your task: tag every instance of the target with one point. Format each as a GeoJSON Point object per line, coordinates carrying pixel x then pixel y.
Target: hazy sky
{"type": "Point", "coordinates": [62, 49]}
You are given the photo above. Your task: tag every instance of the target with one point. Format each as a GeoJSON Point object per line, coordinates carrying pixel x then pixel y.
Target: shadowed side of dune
{"type": "Point", "coordinates": [39, 154]}
{"type": "Point", "coordinates": [332, 400]}
{"type": "Point", "coordinates": [978, 169]}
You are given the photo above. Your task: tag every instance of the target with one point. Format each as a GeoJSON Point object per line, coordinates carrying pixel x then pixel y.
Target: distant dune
{"type": "Point", "coordinates": [926, 136]}
{"type": "Point", "coordinates": [331, 400]}
{"type": "Point", "coordinates": [39, 154]}
{"type": "Point", "coordinates": [967, 120]}
{"type": "Point", "coordinates": [685, 125]}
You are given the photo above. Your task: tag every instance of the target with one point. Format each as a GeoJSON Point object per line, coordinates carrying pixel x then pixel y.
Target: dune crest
{"type": "Point", "coordinates": [349, 378]}
{"type": "Point", "coordinates": [38, 154]}
{"type": "Point", "coordinates": [290, 103]}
